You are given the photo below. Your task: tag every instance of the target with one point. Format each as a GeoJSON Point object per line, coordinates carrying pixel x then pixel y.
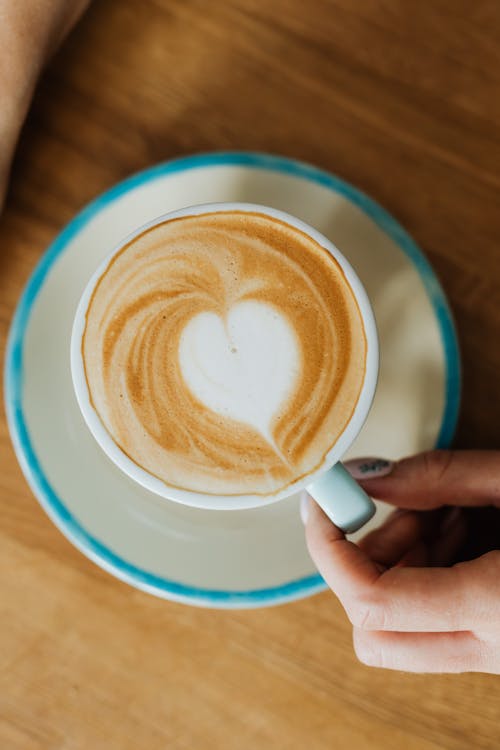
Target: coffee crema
{"type": "Point", "coordinates": [224, 352]}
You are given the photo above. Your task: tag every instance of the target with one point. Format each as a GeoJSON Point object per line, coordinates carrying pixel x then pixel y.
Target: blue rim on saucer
{"type": "Point", "coordinates": [33, 471]}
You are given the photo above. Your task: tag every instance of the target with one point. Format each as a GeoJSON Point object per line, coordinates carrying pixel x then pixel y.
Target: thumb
{"type": "Point", "coordinates": [435, 478]}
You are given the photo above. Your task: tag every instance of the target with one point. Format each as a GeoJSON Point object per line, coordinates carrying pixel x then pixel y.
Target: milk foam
{"type": "Point", "coordinates": [244, 367]}
{"type": "Point", "coordinates": [224, 352]}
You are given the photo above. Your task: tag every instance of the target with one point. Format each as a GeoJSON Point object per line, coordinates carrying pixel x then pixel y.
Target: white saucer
{"type": "Point", "coordinates": [218, 558]}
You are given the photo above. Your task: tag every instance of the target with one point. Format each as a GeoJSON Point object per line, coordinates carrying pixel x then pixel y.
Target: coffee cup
{"type": "Point", "coordinates": [225, 356]}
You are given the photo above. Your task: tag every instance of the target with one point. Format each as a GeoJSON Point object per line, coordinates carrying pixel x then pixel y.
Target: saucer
{"type": "Point", "coordinates": [231, 559]}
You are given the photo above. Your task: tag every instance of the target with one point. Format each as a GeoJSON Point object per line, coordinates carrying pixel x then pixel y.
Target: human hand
{"type": "Point", "coordinates": [413, 609]}
{"type": "Point", "coordinates": [30, 31]}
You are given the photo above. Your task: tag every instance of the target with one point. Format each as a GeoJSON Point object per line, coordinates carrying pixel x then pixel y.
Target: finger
{"type": "Point", "coordinates": [444, 549]}
{"type": "Point", "coordinates": [416, 557]}
{"type": "Point", "coordinates": [437, 478]}
{"type": "Point", "coordinates": [416, 539]}
{"type": "Point", "coordinates": [387, 544]}
{"type": "Point", "coordinates": [422, 652]}
{"type": "Point", "coordinates": [342, 563]}
{"type": "Point", "coordinates": [403, 598]}
{"type": "Point", "coordinates": [483, 532]}
{"type": "Point", "coordinates": [442, 538]}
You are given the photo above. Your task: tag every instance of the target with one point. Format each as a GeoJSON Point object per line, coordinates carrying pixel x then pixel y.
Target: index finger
{"type": "Point", "coordinates": [461, 597]}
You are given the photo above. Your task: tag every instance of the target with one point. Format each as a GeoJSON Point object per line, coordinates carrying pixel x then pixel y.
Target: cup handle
{"type": "Point", "coordinates": [342, 499]}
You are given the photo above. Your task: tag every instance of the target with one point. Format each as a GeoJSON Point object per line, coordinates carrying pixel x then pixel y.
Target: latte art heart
{"type": "Point", "coordinates": [243, 368]}
{"type": "Point", "coordinates": [224, 352]}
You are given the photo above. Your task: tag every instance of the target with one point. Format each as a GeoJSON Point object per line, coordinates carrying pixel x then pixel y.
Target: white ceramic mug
{"type": "Point", "coordinates": [331, 486]}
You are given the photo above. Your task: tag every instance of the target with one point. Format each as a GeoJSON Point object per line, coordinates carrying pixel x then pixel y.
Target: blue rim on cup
{"type": "Point", "coordinates": [28, 459]}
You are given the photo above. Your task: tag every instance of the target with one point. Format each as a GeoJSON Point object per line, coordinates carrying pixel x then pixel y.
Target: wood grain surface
{"type": "Point", "coordinates": [400, 98]}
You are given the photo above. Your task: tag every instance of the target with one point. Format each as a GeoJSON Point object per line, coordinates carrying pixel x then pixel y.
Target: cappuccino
{"type": "Point", "coordinates": [224, 352]}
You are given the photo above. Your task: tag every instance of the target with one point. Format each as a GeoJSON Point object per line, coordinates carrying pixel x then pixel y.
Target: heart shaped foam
{"type": "Point", "coordinates": [244, 367]}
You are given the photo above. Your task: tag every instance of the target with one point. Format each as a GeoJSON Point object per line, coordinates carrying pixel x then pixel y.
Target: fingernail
{"type": "Point", "coordinates": [450, 519]}
{"type": "Point", "coordinates": [304, 507]}
{"type": "Point", "coordinates": [369, 468]}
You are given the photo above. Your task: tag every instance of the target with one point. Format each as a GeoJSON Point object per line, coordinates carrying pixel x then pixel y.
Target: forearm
{"type": "Point", "coordinates": [30, 30]}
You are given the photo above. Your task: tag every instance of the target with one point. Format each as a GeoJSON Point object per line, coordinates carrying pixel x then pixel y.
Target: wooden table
{"type": "Point", "coordinates": [402, 99]}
